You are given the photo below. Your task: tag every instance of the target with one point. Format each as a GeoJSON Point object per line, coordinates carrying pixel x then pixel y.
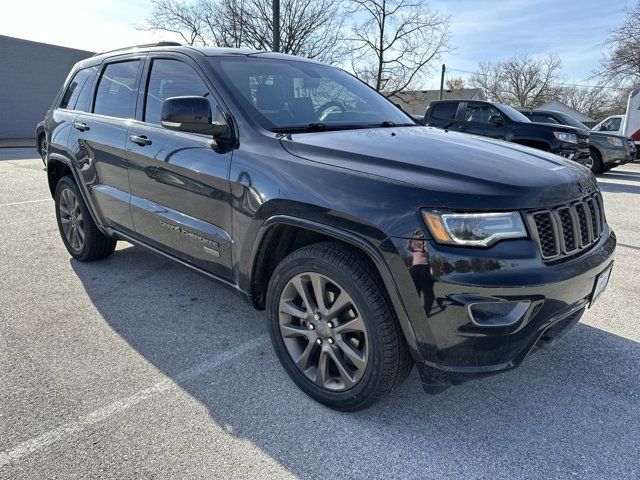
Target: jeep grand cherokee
{"type": "Point", "coordinates": [374, 243]}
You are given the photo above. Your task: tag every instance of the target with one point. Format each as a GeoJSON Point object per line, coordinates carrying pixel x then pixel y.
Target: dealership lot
{"type": "Point", "coordinates": [137, 367]}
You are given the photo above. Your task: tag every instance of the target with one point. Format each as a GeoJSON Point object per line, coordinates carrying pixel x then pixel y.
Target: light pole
{"type": "Point", "coordinates": [276, 25]}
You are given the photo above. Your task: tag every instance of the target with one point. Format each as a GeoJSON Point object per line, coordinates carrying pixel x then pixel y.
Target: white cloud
{"type": "Point", "coordinates": [95, 25]}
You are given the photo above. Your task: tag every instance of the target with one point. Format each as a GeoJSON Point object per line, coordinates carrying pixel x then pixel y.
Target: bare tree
{"type": "Point", "coordinates": [309, 28]}
{"type": "Point", "coordinates": [454, 84]}
{"type": "Point", "coordinates": [620, 66]}
{"type": "Point", "coordinates": [393, 42]}
{"type": "Point", "coordinates": [521, 80]}
{"type": "Point", "coordinates": [592, 101]}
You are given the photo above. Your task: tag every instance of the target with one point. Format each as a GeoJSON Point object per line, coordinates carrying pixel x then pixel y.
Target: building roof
{"type": "Point", "coordinates": [428, 96]}
{"type": "Point", "coordinates": [558, 106]}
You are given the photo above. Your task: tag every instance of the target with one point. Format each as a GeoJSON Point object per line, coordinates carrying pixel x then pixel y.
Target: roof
{"type": "Point", "coordinates": [557, 105]}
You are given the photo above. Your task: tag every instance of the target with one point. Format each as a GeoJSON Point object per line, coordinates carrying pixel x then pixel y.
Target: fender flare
{"type": "Point", "coordinates": [56, 157]}
{"type": "Point", "coordinates": [357, 241]}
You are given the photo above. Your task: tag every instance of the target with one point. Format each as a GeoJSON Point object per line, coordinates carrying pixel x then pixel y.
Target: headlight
{"type": "Point", "coordinates": [615, 141]}
{"type": "Point", "coordinates": [566, 137]}
{"type": "Point", "coordinates": [473, 229]}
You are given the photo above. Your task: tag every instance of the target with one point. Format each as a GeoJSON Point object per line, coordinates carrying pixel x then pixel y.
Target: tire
{"type": "Point", "coordinates": [43, 146]}
{"type": "Point", "coordinates": [597, 161]}
{"type": "Point", "coordinates": [380, 343]}
{"type": "Point", "coordinates": [88, 243]}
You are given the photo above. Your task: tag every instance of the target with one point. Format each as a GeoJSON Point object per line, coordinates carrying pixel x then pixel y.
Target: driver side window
{"type": "Point", "coordinates": [611, 125]}
{"type": "Point", "coordinates": [480, 113]}
{"type": "Point", "coordinates": [172, 78]}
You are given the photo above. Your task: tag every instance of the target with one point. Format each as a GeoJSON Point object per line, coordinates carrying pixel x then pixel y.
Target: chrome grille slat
{"type": "Point", "coordinates": [566, 230]}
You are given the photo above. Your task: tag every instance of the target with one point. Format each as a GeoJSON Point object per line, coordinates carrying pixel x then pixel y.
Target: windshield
{"type": "Point", "coordinates": [569, 120]}
{"type": "Point", "coordinates": [289, 95]}
{"type": "Point", "coordinates": [513, 114]}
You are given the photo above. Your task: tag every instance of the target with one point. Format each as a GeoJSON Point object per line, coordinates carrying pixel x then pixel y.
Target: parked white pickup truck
{"type": "Point", "coordinates": [626, 125]}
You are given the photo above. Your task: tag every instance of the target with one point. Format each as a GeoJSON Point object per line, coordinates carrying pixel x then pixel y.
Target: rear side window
{"type": "Point", "coordinates": [172, 78]}
{"type": "Point", "coordinates": [117, 91]}
{"type": "Point", "coordinates": [81, 79]}
{"type": "Point", "coordinates": [444, 111]}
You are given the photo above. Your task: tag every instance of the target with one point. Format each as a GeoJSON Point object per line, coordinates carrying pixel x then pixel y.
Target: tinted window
{"type": "Point", "coordinates": [444, 111]}
{"type": "Point", "coordinates": [539, 117]}
{"type": "Point", "coordinates": [290, 94]}
{"type": "Point", "coordinates": [86, 94]}
{"type": "Point", "coordinates": [116, 93]}
{"type": "Point", "coordinates": [172, 78]}
{"type": "Point", "coordinates": [480, 113]}
{"type": "Point", "coordinates": [73, 91]}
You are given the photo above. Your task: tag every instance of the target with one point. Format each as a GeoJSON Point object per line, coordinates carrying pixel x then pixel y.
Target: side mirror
{"type": "Point", "coordinates": [497, 120]}
{"type": "Point", "coordinates": [191, 114]}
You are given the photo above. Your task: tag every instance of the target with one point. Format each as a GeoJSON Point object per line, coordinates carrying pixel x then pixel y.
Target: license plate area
{"type": "Point", "coordinates": [602, 280]}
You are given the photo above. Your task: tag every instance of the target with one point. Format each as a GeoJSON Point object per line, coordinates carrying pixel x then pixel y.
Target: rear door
{"type": "Point", "coordinates": [99, 136]}
{"type": "Point", "coordinates": [179, 181]}
{"type": "Point", "coordinates": [441, 114]}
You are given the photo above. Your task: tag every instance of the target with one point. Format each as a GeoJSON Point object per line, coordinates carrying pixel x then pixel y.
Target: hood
{"type": "Point", "coordinates": [457, 170]}
{"type": "Point", "coordinates": [565, 128]}
{"type": "Point", "coordinates": [608, 134]}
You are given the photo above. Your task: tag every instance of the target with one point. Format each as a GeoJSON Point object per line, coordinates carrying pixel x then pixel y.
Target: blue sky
{"type": "Point", "coordinates": [574, 30]}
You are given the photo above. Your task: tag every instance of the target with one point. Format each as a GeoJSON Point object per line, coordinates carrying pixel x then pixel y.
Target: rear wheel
{"type": "Point", "coordinates": [79, 233]}
{"type": "Point", "coordinates": [43, 147]}
{"type": "Point", "coordinates": [333, 328]}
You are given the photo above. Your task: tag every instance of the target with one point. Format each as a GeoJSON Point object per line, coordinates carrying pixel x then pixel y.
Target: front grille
{"type": "Point", "coordinates": [569, 229]}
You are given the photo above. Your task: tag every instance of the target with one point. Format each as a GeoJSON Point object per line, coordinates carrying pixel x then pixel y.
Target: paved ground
{"type": "Point", "coordinates": [134, 367]}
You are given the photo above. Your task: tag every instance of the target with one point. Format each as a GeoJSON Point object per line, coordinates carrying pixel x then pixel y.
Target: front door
{"type": "Point", "coordinates": [179, 181]}
{"type": "Point", "coordinates": [476, 120]}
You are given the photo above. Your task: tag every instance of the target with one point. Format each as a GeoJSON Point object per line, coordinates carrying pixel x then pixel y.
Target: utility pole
{"type": "Point", "coordinates": [276, 25]}
{"type": "Point", "coordinates": [442, 81]}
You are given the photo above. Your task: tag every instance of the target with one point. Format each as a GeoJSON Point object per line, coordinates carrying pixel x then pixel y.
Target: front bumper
{"type": "Point", "coordinates": [445, 280]}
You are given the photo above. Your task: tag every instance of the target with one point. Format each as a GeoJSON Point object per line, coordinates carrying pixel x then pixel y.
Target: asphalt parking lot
{"type": "Point", "coordinates": [135, 367]}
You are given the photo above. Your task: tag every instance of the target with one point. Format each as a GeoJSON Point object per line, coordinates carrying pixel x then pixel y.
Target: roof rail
{"type": "Point", "coordinates": [146, 45]}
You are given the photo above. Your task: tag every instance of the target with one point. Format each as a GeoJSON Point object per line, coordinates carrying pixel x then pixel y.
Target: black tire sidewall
{"type": "Point", "coordinates": [368, 384]}
{"type": "Point", "coordinates": [82, 254]}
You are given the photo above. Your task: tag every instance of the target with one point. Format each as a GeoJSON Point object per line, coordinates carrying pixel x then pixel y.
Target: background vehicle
{"type": "Point", "coordinates": [627, 125]}
{"type": "Point", "coordinates": [372, 242]}
{"type": "Point", "coordinates": [501, 121]}
{"type": "Point", "coordinates": [41, 141]}
{"type": "Point", "coordinates": [607, 150]}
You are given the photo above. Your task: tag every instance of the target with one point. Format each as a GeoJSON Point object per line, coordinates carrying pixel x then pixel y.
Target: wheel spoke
{"type": "Point", "coordinates": [355, 356]}
{"type": "Point", "coordinates": [63, 208]}
{"type": "Point", "coordinates": [289, 331]}
{"type": "Point", "coordinates": [321, 371]}
{"type": "Point", "coordinates": [303, 359]}
{"type": "Point", "coordinates": [79, 217]}
{"type": "Point", "coordinates": [65, 220]}
{"type": "Point", "coordinates": [346, 376]}
{"type": "Point", "coordinates": [288, 307]}
{"type": "Point", "coordinates": [318, 284]}
{"type": "Point", "coordinates": [80, 232]}
{"type": "Point", "coordinates": [339, 304]}
{"type": "Point", "coordinates": [353, 325]}
{"type": "Point", "coordinates": [302, 290]}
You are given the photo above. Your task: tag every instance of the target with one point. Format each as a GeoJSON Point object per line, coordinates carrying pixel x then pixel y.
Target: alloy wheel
{"type": "Point", "coordinates": [71, 219]}
{"type": "Point", "coordinates": [323, 331]}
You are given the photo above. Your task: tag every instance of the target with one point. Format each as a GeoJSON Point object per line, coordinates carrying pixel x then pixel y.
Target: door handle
{"type": "Point", "coordinates": [83, 127]}
{"type": "Point", "coordinates": [140, 140]}
{"type": "Point", "coordinates": [462, 128]}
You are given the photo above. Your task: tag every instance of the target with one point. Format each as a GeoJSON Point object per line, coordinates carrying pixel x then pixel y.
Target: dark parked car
{"type": "Point", "coordinates": [371, 241]}
{"type": "Point", "coordinates": [500, 121]}
{"type": "Point", "coordinates": [607, 150]}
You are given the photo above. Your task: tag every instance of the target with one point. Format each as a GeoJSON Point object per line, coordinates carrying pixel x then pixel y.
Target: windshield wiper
{"type": "Point", "coordinates": [387, 123]}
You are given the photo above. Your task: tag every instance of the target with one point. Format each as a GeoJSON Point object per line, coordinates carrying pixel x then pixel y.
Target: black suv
{"type": "Point", "coordinates": [373, 242]}
{"type": "Point", "coordinates": [500, 121]}
{"type": "Point", "coordinates": [607, 150]}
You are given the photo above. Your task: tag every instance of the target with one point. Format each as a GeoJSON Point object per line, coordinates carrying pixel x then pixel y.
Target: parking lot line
{"type": "Point", "coordinates": [63, 431]}
{"type": "Point", "coordinates": [26, 201]}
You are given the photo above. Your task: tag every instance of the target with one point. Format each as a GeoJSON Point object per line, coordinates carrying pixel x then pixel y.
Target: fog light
{"type": "Point", "coordinates": [497, 314]}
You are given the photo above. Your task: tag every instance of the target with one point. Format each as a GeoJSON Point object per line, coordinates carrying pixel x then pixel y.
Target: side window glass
{"type": "Point", "coordinates": [543, 119]}
{"type": "Point", "coordinates": [172, 78]}
{"type": "Point", "coordinates": [480, 113]}
{"type": "Point", "coordinates": [445, 111]}
{"type": "Point", "coordinates": [72, 92]}
{"type": "Point", "coordinates": [86, 94]}
{"type": "Point", "coordinates": [117, 90]}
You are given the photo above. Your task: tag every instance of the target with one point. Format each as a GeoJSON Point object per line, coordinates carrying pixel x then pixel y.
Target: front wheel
{"type": "Point", "coordinates": [597, 165]}
{"type": "Point", "coordinates": [333, 328]}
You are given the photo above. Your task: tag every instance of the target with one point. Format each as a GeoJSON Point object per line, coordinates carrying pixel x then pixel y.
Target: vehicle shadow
{"type": "Point", "coordinates": [573, 410]}
{"type": "Point", "coordinates": [618, 187]}
{"type": "Point", "coordinates": [622, 175]}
